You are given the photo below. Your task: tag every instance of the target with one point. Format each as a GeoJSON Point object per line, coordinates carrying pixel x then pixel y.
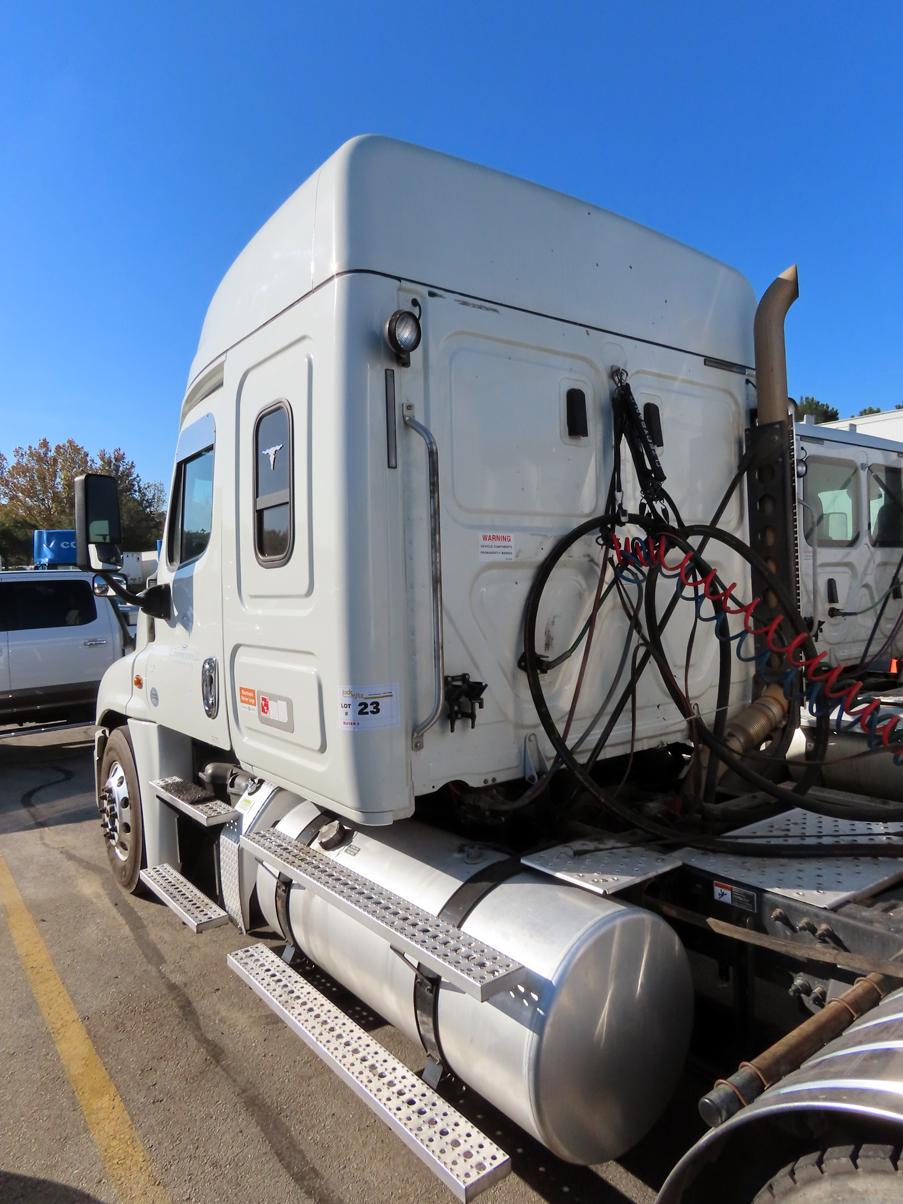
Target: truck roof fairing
{"type": "Point", "coordinates": [387, 207]}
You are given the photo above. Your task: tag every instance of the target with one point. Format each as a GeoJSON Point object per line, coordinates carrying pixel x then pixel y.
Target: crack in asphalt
{"type": "Point", "coordinates": [26, 799]}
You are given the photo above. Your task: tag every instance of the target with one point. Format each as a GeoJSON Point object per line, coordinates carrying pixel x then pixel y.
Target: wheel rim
{"type": "Point", "coordinates": [115, 812]}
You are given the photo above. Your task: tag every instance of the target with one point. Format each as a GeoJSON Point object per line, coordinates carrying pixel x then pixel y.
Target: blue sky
{"type": "Point", "coordinates": [142, 145]}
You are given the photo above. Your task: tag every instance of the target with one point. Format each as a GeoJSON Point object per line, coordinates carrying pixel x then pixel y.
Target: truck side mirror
{"type": "Point", "coordinates": [97, 520]}
{"type": "Point", "coordinates": [97, 525]}
{"type": "Point", "coordinates": [837, 526]}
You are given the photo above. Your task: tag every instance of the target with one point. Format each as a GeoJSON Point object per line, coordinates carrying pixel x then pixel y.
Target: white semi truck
{"type": "Point", "coordinates": [472, 670]}
{"type": "Point", "coordinates": [850, 524]}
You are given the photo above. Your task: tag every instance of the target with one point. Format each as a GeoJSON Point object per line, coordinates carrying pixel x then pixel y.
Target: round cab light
{"type": "Point", "coordinates": [403, 332]}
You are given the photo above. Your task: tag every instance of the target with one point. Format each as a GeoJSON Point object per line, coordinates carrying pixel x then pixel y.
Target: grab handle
{"type": "Point", "coordinates": [432, 456]}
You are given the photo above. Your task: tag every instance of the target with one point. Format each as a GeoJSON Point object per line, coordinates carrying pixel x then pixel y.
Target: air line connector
{"type": "Point", "coordinates": [463, 697]}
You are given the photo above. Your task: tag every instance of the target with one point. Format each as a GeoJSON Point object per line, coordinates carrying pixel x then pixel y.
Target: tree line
{"type": "Point", "coordinates": [820, 411]}
{"type": "Point", "coordinates": [37, 492]}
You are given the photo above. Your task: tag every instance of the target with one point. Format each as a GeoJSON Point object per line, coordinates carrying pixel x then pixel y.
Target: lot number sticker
{"type": "Point", "coordinates": [368, 708]}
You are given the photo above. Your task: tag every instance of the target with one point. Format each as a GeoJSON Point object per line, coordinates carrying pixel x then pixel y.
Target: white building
{"type": "Point", "coordinates": [886, 425]}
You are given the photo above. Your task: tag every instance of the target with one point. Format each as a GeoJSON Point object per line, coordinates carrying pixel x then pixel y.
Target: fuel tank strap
{"type": "Point", "coordinates": [426, 982]}
{"type": "Point", "coordinates": [307, 836]}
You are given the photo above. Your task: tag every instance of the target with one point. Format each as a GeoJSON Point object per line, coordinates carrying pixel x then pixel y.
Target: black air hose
{"type": "Point", "coordinates": [603, 526]}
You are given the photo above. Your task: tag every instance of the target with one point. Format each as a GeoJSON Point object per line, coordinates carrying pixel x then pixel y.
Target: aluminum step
{"type": "Point", "coordinates": [468, 963]}
{"type": "Point", "coordinates": [194, 801]}
{"type": "Point", "coordinates": [456, 1151]}
{"type": "Point", "coordinates": [190, 905]}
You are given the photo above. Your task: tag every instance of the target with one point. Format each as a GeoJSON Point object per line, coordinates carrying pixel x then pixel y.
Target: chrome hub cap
{"type": "Point", "coordinates": [115, 817]}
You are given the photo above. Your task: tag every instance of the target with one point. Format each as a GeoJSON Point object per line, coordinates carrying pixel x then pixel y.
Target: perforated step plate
{"type": "Point", "coordinates": [825, 881]}
{"type": "Point", "coordinates": [477, 968]}
{"type": "Point", "coordinates": [601, 866]}
{"type": "Point", "coordinates": [194, 801]}
{"type": "Point", "coordinates": [456, 1151]}
{"type": "Point", "coordinates": [190, 905]}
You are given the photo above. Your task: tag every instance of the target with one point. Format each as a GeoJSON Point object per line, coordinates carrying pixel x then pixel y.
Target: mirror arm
{"type": "Point", "coordinates": [155, 601]}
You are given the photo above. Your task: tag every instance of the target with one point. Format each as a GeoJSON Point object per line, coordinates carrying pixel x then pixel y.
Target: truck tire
{"type": "Point", "coordinates": [120, 808]}
{"type": "Point", "coordinates": [851, 1174]}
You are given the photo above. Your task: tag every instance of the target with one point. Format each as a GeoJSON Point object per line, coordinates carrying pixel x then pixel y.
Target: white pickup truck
{"type": "Point", "coordinates": [57, 639]}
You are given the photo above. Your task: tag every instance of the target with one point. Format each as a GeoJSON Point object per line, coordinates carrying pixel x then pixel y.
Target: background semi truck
{"type": "Point", "coordinates": [473, 669]}
{"type": "Point", "coordinates": [850, 532]}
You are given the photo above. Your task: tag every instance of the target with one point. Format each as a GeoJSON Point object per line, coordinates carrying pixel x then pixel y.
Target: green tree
{"type": "Point", "coordinates": [15, 540]}
{"type": "Point", "coordinates": [141, 502]}
{"type": "Point", "coordinates": [37, 491]}
{"type": "Point", "coordinates": [819, 410]}
{"type": "Point", "coordinates": [868, 410]}
{"type": "Point", "coordinates": [37, 485]}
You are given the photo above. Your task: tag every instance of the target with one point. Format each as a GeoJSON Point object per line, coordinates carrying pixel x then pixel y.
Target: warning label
{"type": "Point", "coordinates": [722, 892]}
{"type": "Point", "coordinates": [368, 708]}
{"type": "Point", "coordinates": [736, 896]}
{"type": "Point", "coordinates": [247, 697]}
{"type": "Point", "coordinates": [496, 545]}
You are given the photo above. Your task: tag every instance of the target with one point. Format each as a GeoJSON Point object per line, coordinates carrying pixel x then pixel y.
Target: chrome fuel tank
{"type": "Point", "coordinates": [584, 1052]}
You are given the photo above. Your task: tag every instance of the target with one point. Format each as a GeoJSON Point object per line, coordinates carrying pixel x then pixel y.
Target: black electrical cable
{"type": "Point", "coordinates": [620, 404]}
{"type": "Point", "coordinates": [741, 766]}
{"type": "Point", "coordinates": [603, 525]}
{"type": "Point", "coordinates": [619, 670]}
{"type": "Point", "coordinates": [710, 531]}
{"type": "Point", "coordinates": [863, 662]}
{"type": "Point", "coordinates": [640, 667]}
{"type": "Point", "coordinates": [629, 426]}
{"type": "Point", "coordinates": [722, 701]}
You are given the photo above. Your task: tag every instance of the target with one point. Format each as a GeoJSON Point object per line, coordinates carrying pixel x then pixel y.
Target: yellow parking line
{"type": "Point", "coordinates": [121, 1150]}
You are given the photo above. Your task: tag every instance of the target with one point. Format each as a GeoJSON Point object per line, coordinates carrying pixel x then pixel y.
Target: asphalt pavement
{"type": "Point", "coordinates": [219, 1100]}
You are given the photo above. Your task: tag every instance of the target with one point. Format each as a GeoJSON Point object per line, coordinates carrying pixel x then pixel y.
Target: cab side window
{"type": "Point", "coordinates": [8, 621]}
{"type": "Point", "coordinates": [273, 514]}
{"type": "Point", "coordinates": [191, 516]}
{"type": "Point", "coordinates": [886, 506]}
{"type": "Point", "coordinates": [831, 513]}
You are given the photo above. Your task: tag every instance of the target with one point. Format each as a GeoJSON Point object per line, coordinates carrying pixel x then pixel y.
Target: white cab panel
{"type": "Point", "coordinates": [308, 636]}
{"type": "Point", "coordinates": [512, 481]}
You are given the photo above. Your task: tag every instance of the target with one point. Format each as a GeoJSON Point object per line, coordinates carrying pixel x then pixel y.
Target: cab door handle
{"type": "Point", "coordinates": [92, 643]}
